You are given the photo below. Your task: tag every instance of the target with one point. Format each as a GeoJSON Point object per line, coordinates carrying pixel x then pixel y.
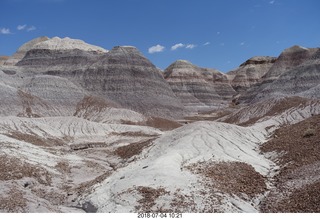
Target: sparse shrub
{"type": "Point", "coordinates": [309, 132]}
{"type": "Point", "coordinates": [63, 166]}
{"type": "Point", "coordinates": [128, 151]}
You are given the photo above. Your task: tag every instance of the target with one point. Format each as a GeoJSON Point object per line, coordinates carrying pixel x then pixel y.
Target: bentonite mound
{"type": "Point", "coordinates": [125, 76]}
{"type": "Point", "coordinates": [197, 87]}
{"type": "Point", "coordinates": [70, 143]}
{"type": "Point", "coordinates": [33, 93]}
{"type": "Point", "coordinates": [290, 60]}
{"type": "Point", "coordinates": [23, 50]}
{"type": "Point", "coordinates": [9, 100]}
{"type": "Point", "coordinates": [67, 43]}
{"type": "Point", "coordinates": [122, 75]}
{"type": "Point", "coordinates": [296, 81]}
{"type": "Point", "coordinates": [250, 72]}
{"type": "Point", "coordinates": [60, 55]}
{"type": "Point", "coordinates": [59, 92]}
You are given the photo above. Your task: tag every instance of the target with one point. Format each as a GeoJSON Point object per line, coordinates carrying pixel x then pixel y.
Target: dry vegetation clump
{"type": "Point", "coordinates": [28, 100]}
{"type": "Point", "coordinates": [79, 190]}
{"type": "Point", "coordinates": [92, 164]}
{"type": "Point", "coordinates": [234, 119]}
{"type": "Point", "coordinates": [309, 132]}
{"type": "Point", "coordinates": [35, 139]}
{"type": "Point", "coordinates": [134, 134]}
{"type": "Point", "coordinates": [54, 197]}
{"type": "Point", "coordinates": [162, 124]}
{"type": "Point", "coordinates": [84, 146]}
{"type": "Point", "coordinates": [182, 203]}
{"type": "Point", "coordinates": [156, 122]}
{"type": "Point", "coordinates": [128, 151]}
{"type": "Point", "coordinates": [92, 104]}
{"type": "Point", "coordinates": [232, 177]}
{"type": "Point", "coordinates": [63, 166]}
{"type": "Point", "coordinates": [209, 116]}
{"type": "Point", "coordinates": [13, 169]}
{"type": "Point", "coordinates": [149, 195]}
{"type": "Point", "coordinates": [13, 202]}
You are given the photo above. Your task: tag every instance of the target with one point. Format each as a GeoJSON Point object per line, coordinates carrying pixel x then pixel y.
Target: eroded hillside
{"type": "Point", "coordinates": [85, 129]}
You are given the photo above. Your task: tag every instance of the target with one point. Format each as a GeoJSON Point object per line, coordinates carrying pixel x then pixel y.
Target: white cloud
{"type": "Point", "coordinates": [218, 33]}
{"type": "Point", "coordinates": [5, 31]}
{"type": "Point", "coordinates": [206, 44]}
{"type": "Point", "coordinates": [190, 46]}
{"type": "Point", "coordinates": [32, 28]}
{"type": "Point", "coordinates": [157, 48]}
{"type": "Point", "coordinates": [177, 46]}
{"type": "Point", "coordinates": [26, 28]}
{"type": "Point", "coordinates": [186, 46]}
{"type": "Point", "coordinates": [242, 43]}
{"type": "Point", "coordinates": [21, 27]}
{"type": "Point", "coordinates": [272, 2]}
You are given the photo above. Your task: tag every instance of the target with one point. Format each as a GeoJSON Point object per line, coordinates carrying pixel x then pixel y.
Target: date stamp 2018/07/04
{"type": "Point", "coordinates": [159, 215]}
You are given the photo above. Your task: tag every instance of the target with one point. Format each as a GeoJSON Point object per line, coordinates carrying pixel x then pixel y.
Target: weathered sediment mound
{"type": "Point", "coordinates": [123, 76]}
{"type": "Point", "coordinates": [21, 52]}
{"type": "Point", "coordinates": [250, 72]}
{"type": "Point", "coordinates": [294, 71]}
{"type": "Point", "coordinates": [82, 130]}
{"type": "Point", "coordinates": [198, 87]}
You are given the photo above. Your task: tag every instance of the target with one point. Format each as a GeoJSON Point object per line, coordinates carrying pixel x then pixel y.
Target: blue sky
{"type": "Point", "coordinates": [217, 34]}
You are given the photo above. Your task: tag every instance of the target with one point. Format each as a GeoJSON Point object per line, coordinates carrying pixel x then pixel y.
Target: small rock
{"type": "Point", "coordinates": [26, 184]}
{"type": "Point", "coordinates": [88, 207]}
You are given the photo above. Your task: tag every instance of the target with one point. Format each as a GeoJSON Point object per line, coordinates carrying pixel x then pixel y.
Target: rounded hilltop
{"type": "Point", "coordinates": [57, 43]}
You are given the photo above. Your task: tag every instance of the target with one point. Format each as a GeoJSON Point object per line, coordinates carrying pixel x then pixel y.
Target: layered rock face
{"type": "Point", "coordinates": [56, 55]}
{"type": "Point", "coordinates": [286, 71]}
{"type": "Point", "coordinates": [60, 93]}
{"type": "Point", "coordinates": [34, 93]}
{"type": "Point", "coordinates": [3, 59]}
{"type": "Point", "coordinates": [37, 96]}
{"type": "Point", "coordinates": [51, 76]}
{"type": "Point", "coordinates": [9, 99]}
{"type": "Point", "coordinates": [250, 72]}
{"type": "Point", "coordinates": [67, 43]}
{"type": "Point", "coordinates": [126, 77]}
{"type": "Point", "coordinates": [23, 50]}
{"type": "Point", "coordinates": [62, 72]}
{"type": "Point", "coordinates": [198, 87]}
{"type": "Point", "coordinates": [302, 80]}
{"type": "Point", "coordinates": [77, 100]}
{"type": "Point", "coordinates": [288, 59]}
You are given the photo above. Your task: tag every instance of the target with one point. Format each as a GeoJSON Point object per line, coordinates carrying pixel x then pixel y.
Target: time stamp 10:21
{"type": "Point", "coordinates": [159, 215]}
